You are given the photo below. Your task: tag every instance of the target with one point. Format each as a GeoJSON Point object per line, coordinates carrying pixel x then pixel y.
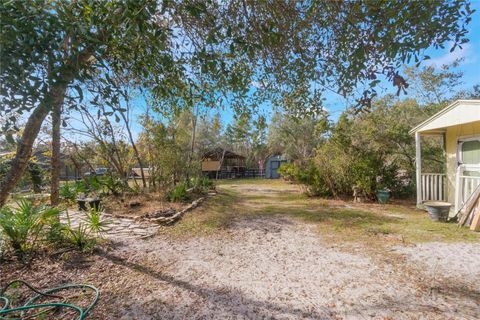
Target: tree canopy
{"type": "Point", "coordinates": [69, 53]}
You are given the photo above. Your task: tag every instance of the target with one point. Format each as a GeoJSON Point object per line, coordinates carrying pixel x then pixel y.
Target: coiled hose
{"type": "Point", "coordinates": [52, 293]}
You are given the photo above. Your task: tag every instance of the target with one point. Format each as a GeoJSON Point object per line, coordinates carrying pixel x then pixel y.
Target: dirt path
{"type": "Point", "coordinates": [272, 268]}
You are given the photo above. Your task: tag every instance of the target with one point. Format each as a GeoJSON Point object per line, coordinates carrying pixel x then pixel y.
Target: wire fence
{"type": "Point", "coordinates": [249, 173]}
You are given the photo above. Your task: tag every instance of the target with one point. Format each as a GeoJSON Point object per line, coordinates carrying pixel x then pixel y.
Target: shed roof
{"type": "Point", "coordinates": [218, 153]}
{"type": "Point", "coordinates": [459, 112]}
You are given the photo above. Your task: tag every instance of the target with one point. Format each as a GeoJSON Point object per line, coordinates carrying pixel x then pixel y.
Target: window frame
{"type": "Point", "coordinates": [460, 142]}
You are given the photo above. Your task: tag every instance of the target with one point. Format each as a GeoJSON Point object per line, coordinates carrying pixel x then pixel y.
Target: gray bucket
{"type": "Point", "coordinates": [438, 210]}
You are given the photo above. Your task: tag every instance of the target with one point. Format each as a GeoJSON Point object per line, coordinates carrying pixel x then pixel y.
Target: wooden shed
{"type": "Point", "coordinates": [220, 163]}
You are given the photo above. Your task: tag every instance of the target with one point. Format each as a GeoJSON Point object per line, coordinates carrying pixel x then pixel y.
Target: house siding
{"type": "Point", "coordinates": [451, 140]}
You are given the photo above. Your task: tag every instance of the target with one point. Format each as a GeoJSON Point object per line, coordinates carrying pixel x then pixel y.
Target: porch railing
{"type": "Point", "coordinates": [433, 187]}
{"type": "Point", "coordinates": [465, 185]}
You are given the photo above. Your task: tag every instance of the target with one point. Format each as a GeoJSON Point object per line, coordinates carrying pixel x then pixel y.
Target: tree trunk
{"type": "Point", "coordinates": [192, 145]}
{"type": "Point", "coordinates": [55, 160]}
{"type": "Point", "coordinates": [24, 148]}
{"type": "Point", "coordinates": [135, 150]}
{"type": "Point", "coordinates": [118, 161]}
{"type": "Point", "coordinates": [53, 98]}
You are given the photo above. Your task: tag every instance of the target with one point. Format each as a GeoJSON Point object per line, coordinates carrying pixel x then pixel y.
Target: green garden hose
{"type": "Point", "coordinates": [30, 304]}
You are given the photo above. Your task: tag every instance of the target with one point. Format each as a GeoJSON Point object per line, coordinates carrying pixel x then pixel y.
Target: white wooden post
{"type": "Point", "coordinates": [458, 187]}
{"type": "Point", "coordinates": [418, 167]}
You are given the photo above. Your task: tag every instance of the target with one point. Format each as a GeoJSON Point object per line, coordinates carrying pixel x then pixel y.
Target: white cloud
{"type": "Point", "coordinates": [256, 84]}
{"type": "Point", "coordinates": [466, 53]}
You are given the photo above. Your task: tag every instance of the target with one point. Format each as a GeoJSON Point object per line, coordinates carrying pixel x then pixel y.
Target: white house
{"type": "Point", "coordinates": [459, 125]}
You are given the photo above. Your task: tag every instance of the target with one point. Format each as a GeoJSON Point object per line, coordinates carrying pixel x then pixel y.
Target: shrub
{"type": "Point", "coordinates": [94, 184]}
{"type": "Point", "coordinates": [32, 177]}
{"type": "Point", "coordinates": [95, 224]}
{"type": "Point", "coordinates": [81, 238]}
{"type": "Point", "coordinates": [288, 171]}
{"type": "Point", "coordinates": [36, 176]}
{"type": "Point", "coordinates": [24, 227]}
{"type": "Point", "coordinates": [112, 183]}
{"type": "Point", "coordinates": [308, 175]}
{"type": "Point", "coordinates": [68, 191]}
{"type": "Point", "coordinates": [56, 234]}
{"type": "Point", "coordinates": [201, 184]}
{"type": "Point", "coordinates": [81, 187]}
{"type": "Point", "coordinates": [2, 246]}
{"type": "Point", "coordinates": [178, 193]}
{"type": "Point", "coordinates": [85, 236]}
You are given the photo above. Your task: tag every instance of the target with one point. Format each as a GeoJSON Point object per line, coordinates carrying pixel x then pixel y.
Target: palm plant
{"type": "Point", "coordinates": [80, 237]}
{"type": "Point", "coordinates": [23, 225]}
{"type": "Point", "coordinates": [94, 221]}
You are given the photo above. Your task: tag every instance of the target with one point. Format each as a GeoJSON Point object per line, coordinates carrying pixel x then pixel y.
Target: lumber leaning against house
{"type": "Point", "coordinates": [475, 224]}
{"type": "Point", "coordinates": [471, 208]}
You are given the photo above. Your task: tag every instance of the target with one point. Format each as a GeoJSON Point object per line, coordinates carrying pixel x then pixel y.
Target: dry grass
{"type": "Point", "coordinates": [337, 219]}
{"type": "Point", "coordinates": [144, 204]}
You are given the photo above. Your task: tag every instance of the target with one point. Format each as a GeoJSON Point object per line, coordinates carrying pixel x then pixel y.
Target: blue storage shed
{"type": "Point", "coordinates": [272, 164]}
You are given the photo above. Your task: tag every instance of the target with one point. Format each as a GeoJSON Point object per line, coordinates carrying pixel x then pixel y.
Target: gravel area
{"type": "Point", "coordinates": [448, 260]}
{"type": "Point", "coordinates": [262, 269]}
{"type": "Point", "coordinates": [269, 268]}
{"type": "Point", "coordinates": [276, 269]}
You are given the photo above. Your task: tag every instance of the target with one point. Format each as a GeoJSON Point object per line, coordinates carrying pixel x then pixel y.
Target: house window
{"type": "Point", "coordinates": [469, 151]}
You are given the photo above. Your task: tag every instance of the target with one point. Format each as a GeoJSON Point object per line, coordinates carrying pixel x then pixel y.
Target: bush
{"type": "Point", "coordinates": [2, 247]}
{"type": "Point", "coordinates": [68, 191]}
{"type": "Point", "coordinates": [112, 183]}
{"type": "Point", "coordinates": [81, 187]}
{"type": "Point", "coordinates": [95, 224]}
{"type": "Point", "coordinates": [36, 176]}
{"type": "Point", "coordinates": [81, 238]}
{"type": "Point", "coordinates": [201, 184]}
{"type": "Point", "coordinates": [56, 234]}
{"type": "Point", "coordinates": [178, 193]}
{"type": "Point", "coordinates": [308, 175]}
{"type": "Point", "coordinates": [24, 227]}
{"type": "Point", "coordinates": [85, 236]}
{"type": "Point", "coordinates": [93, 185]}
{"type": "Point", "coordinates": [288, 171]}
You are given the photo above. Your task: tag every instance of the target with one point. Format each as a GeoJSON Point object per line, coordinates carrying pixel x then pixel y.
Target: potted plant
{"type": "Point", "coordinates": [383, 195]}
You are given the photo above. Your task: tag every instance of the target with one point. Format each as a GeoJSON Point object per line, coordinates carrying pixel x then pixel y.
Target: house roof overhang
{"type": "Point", "coordinates": [457, 113]}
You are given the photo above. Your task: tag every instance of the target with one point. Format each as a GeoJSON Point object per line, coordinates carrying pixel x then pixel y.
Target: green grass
{"type": "Point", "coordinates": [340, 221]}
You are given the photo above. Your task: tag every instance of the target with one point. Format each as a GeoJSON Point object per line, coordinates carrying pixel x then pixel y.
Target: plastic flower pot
{"type": "Point", "coordinates": [383, 196]}
{"type": "Point", "coordinates": [438, 210]}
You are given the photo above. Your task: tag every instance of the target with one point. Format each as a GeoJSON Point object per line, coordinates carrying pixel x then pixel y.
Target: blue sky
{"type": "Point", "coordinates": [470, 67]}
{"type": "Point", "coordinates": [335, 104]}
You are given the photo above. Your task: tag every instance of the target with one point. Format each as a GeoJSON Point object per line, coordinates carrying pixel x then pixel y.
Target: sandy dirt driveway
{"type": "Point", "coordinates": [273, 267]}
